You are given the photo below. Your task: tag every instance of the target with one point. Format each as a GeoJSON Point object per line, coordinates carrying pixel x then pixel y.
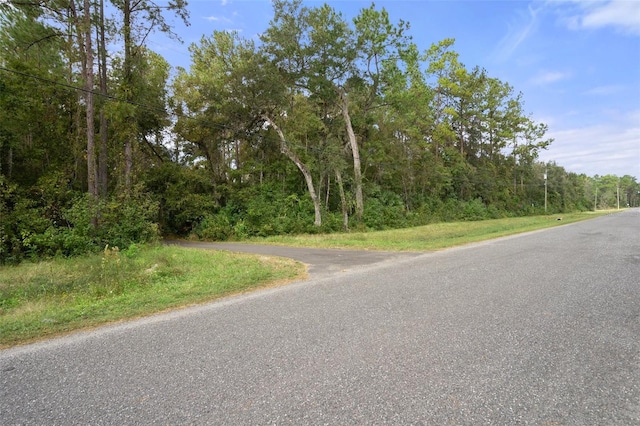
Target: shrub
{"type": "Point", "coordinates": [126, 219]}
{"type": "Point", "coordinates": [36, 225]}
{"type": "Point", "coordinates": [449, 210]}
{"type": "Point", "coordinates": [215, 227]}
{"type": "Point", "coordinates": [474, 210]}
{"type": "Point", "coordinates": [184, 196]}
{"type": "Point", "coordinates": [384, 209]}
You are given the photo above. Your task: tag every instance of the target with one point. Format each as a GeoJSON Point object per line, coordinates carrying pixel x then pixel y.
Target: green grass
{"type": "Point", "coordinates": [53, 297]}
{"type": "Point", "coordinates": [430, 237]}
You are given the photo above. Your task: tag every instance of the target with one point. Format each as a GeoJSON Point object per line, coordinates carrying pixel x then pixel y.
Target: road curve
{"type": "Point", "coordinates": [542, 328]}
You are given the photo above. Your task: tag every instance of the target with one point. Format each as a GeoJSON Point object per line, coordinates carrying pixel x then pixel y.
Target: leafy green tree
{"type": "Point", "coordinates": [380, 46]}
{"type": "Point", "coordinates": [629, 191]}
{"type": "Point", "coordinates": [210, 115]}
{"type": "Point", "coordinates": [139, 19]}
{"type": "Point", "coordinates": [34, 107]}
{"type": "Point", "coordinates": [300, 69]}
{"type": "Point", "coordinates": [142, 124]}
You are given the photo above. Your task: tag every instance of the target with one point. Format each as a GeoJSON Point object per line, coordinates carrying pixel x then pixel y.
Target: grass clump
{"type": "Point", "coordinates": [56, 296]}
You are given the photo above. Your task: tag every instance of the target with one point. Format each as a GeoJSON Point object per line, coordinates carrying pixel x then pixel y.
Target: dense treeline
{"type": "Point", "coordinates": [324, 125]}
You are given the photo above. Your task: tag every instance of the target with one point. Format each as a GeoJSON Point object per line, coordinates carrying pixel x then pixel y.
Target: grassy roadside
{"type": "Point", "coordinates": [39, 300]}
{"type": "Point", "coordinates": [431, 237]}
{"type": "Point", "coordinates": [52, 297]}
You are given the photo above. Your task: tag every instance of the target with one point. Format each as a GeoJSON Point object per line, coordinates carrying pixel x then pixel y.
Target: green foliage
{"type": "Point", "coordinates": [123, 220]}
{"type": "Point", "coordinates": [384, 210]}
{"type": "Point", "coordinates": [258, 211]}
{"type": "Point", "coordinates": [33, 222]}
{"type": "Point", "coordinates": [7, 233]}
{"type": "Point", "coordinates": [128, 218]}
{"type": "Point", "coordinates": [60, 225]}
{"type": "Point", "coordinates": [474, 210]}
{"type": "Point", "coordinates": [185, 196]}
{"type": "Point", "coordinates": [214, 227]}
{"type": "Point", "coordinates": [433, 236]}
{"type": "Point", "coordinates": [326, 118]}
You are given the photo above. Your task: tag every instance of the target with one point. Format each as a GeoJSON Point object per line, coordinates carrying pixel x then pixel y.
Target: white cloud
{"type": "Point", "coordinates": [544, 78]}
{"type": "Point", "coordinates": [217, 19]}
{"type": "Point", "coordinates": [221, 19]}
{"type": "Point", "coordinates": [604, 90]}
{"type": "Point", "coordinates": [517, 33]}
{"type": "Point", "coordinates": [609, 148]}
{"type": "Point", "coordinates": [622, 15]}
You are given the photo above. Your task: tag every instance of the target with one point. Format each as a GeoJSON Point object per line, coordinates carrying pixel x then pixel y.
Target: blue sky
{"type": "Point", "coordinates": [577, 63]}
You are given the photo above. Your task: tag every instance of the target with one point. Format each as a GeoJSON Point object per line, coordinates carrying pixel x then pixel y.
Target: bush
{"type": "Point", "coordinates": [269, 211]}
{"type": "Point", "coordinates": [184, 196]}
{"type": "Point", "coordinates": [449, 210]}
{"type": "Point", "coordinates": [7, 231]}
{"type": "Point", "coordinates": [30, 218]}
{"type": "Point", "coordinates": [383, 210]}
{"type": "Point", "coordinates": [42, 224]}
{"type": "Point", "coordinates": [258, 211]}
{"type": "Point", "coordinates": [214, 227]}
{"type": "Point", "coordinates": [474, 210]}
{"type": "Point", "coordinates": [126, 219]}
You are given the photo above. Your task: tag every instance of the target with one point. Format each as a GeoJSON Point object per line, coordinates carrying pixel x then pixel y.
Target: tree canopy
{"type": "Point", "coordinates": [324, 124]}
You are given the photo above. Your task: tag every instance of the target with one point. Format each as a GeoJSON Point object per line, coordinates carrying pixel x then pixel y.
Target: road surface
{"type": "Point", "coordinates": [541, 328]}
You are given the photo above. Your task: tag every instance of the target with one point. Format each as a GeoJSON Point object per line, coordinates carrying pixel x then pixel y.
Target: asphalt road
{"type": "Point", "coordinates": [542, 328]}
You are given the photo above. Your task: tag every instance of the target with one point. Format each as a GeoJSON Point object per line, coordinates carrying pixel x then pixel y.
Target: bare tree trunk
{"type": "Point", "coordinates": [128, 162]}
{"type": "Point", "coordinates": [128, 144]}
{"type": "Point", "coordinates": [343, 202]}
{"type": "Point", "coordinates": [236, 152]}
{"type": "Point", "coordinates": [92, 174]}
{"type": "Point", "coordinates": [102, 152]}
{"type": "Point", "coordinates": [326, 199]}
{"type": "Point", "coordinates": [355, 151]}
{"type": "Point", "coordinates": [76, 116]}
{"type": "Point", "coordinates": [284, 148]}
{"type": "Point", "coordinates": [515, 167]}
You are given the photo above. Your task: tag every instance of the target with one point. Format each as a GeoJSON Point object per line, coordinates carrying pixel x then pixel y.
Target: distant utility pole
{"type": "Point", "coordinates": [595, 203]}
{"type": "Point", "coordinates": [545, 189]}
{"type": "Point", "coordinates": [618, 193]}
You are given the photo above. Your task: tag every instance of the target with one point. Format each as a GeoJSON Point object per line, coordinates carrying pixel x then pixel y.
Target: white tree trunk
{"type": "Point", "coordinates": [284, 148]}
{"type": "Point", "coordinates": [343, 202]}
{"type": "Point", "coordinates": [355, 152]}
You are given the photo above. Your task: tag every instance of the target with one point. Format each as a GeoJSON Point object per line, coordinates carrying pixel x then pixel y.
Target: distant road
{"type": "Point", "coordinates": [541, 328]}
